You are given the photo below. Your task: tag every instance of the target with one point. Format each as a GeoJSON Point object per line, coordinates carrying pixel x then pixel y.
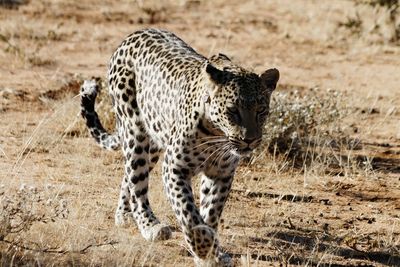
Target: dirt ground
{"type": "Point", "coordinates": [273, 217]}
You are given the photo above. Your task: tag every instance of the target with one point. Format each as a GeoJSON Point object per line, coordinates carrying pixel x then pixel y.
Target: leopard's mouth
{"type": "Point", "coordinates": [240, 149]}
{"type": "Point", "coordinates": [241, 152]}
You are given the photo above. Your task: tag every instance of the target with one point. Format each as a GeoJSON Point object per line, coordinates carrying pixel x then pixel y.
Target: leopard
{"type": "Point", "coordinates": [200, 115]}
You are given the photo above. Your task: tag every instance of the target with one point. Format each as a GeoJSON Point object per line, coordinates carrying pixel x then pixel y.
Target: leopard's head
{"type": "Point", "coordinates": [239, 102]}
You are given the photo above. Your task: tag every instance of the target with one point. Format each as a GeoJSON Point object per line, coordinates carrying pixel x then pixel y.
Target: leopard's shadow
{"type": "Point", "coordinates": [317, 242]}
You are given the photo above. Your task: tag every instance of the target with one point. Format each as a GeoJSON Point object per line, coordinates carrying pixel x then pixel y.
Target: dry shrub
{"type": "Point", "coordinates": [376, 21]}
{"type": "Point", "coordinates": [305, 129]}
{"type": "Point", "coordinates": [295, 117]}
{"type": "Point", "coordinates": [20, 210]}
{"type": "Point", "coordinates": [154, 11]}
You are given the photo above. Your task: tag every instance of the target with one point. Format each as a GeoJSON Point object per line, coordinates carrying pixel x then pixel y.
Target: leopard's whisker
{"type": "Point", "coordinates": [219, 155]}
{"type": "Point", "coordinates": [201, 165]}
{"type": "Point", "coordinates": [209, 142]}
{"type": "Point", "coordinates": [227, 151]}
{"type": "Point", "coordinates": [212, 146]}
{"type": "Point", "coordinates": [211, 137]}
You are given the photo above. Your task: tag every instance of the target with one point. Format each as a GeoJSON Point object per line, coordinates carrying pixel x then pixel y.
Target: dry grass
{"type": "Point", "coordinates": [375, 21]}
{"type": "Point", "coordinates": [323, 191]}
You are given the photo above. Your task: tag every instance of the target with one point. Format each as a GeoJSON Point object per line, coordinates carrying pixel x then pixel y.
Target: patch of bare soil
{"type": "Point", "coordinates": [63, 189]}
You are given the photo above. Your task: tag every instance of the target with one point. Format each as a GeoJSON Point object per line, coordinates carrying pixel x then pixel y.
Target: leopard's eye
{"type": "Point", "coordinates": [234, 114]}
{"type": "Point", "coordinates": [232, 110]}
{"type": "Point", "coordinates": [262, 110]}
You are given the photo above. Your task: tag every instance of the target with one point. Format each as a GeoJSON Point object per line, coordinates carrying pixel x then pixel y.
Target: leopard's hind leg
{"type": "Point", "coordinates": [123, 214]}
{"type": "Point", "coordinates": [136, 150]}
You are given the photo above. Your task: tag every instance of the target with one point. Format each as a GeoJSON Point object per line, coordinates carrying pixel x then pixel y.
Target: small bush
{"type": "Point", "coordinates": [374, 20]}
{"type": "Point", "coordinates": [295, 117]}
{"type": "Point", "coordinates": [21, 209]}
{"type": "Point", "coordinates": [305, 128]}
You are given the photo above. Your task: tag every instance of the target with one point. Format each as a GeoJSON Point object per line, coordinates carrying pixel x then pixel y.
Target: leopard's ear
{"type": "Point", "coordinates": [224, 57]}
{"type": "Point", "coordinates": [220, 58]}
{"type": "Point", "coordinates": [269, 79]}
{"type": "Point", "coordinates": [216, 76]}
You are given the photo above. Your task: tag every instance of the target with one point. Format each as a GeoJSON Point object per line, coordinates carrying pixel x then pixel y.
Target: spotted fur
{"type": "Point", "coordinates": [203, 114]}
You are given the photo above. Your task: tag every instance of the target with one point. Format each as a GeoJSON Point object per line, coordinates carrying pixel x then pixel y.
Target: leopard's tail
{"type": "Point", "coordinates": [88, 94]}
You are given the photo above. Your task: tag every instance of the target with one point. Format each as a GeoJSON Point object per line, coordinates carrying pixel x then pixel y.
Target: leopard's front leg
{"type": "Point", "coordinates": [213, 194]}
{"type": "Point", "coordinates": [200, 237]}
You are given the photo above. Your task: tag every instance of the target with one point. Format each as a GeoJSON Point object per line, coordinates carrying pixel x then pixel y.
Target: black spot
{"type": "Point", "coordinates": [189, 207]}
{"type": "Point", "coordinates": [146, 148]}
{"type": "Point", "coordinates": [134, 164]}
{"type": "Point", "coordinates": [185, 171]}
{"type": "Point", "coordinates": [140, 137]}
{"type": "Point", "coordinates": [141, 162]}
{"type": "Point", "coordinates": [153, 150]}
{"type": "Point", "coordinates": [176, 171]}
{"type": "Point", "coordinates": [151, 49]}
{"type": "Point", "coordinates": [138, 150]}
{"type": "Point", "coordinates": [130, 111]}
{"type": "Point", "coordinates": [143, 176]}
{"type": "Point", "coordinates": [131, 83]}
{"type": "Point", "coordinates": [131, 143]}
{"type": "Point", "coordinates": [134, 179]}
{"type": "Point", "coordinates": [134, 104]}
{"type": "Point", "coordinates": [211, 212]}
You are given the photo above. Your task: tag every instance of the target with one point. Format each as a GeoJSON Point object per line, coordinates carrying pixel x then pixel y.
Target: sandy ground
{"type": "Point", "coordinates": [273, 217]}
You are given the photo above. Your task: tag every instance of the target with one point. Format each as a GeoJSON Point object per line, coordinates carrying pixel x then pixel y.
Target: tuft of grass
{"type": "Point", "coordinates": [353, 24]}
{"type": "Point", "coordinates": [155, 12]}
{"type": "Point", "coordinates": [23, 208]}
{"type": "Point", "coordinates": [304, 131]}
{"type": "Point", "coordinates": [379, 22]}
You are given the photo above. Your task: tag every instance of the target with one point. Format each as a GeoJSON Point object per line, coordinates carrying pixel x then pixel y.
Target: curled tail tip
{"type": "Point", "coordinates": [89, 88]}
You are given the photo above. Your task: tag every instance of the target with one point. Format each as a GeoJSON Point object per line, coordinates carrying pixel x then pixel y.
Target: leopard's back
{"type": "Point", "coordinates": [153, 70]}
